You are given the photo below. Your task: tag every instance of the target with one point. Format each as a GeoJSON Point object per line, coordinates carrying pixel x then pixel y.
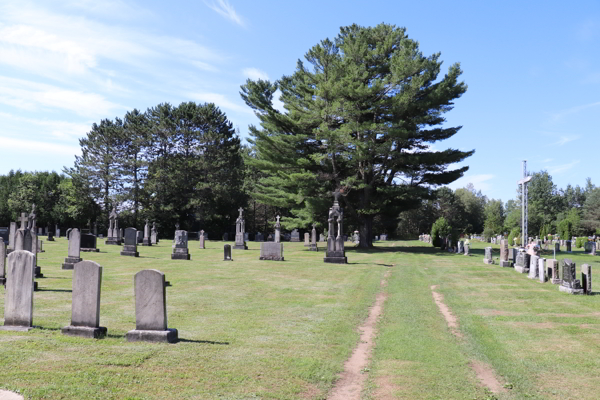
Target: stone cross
{"type": "Point", "coordinates": [177, 226]}
{"type": "Point", "coordinates": [241, 210]}
{"type": "Point", "coordinates": [24, 220]}
{"type": "Point", "coordinates": [524, 199]}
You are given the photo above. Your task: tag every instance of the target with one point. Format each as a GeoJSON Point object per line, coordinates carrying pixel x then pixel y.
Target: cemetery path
{"type": "Point", "coordinates": [352, 380]}
{"type": "Point", "coordinates": [484, 372]}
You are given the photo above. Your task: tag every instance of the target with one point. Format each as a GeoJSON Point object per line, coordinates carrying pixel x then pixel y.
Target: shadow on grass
{"type": "Point", "coordinates": [55, 290]}
{"type": "Point", "coordinates": [203, 341]}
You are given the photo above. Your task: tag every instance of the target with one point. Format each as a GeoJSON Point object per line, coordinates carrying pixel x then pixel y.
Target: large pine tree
{"type": "Point", "coordinates": [360, 121]}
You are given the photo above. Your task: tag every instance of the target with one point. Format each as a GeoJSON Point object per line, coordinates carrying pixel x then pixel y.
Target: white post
{"type": "Point", "coordinates": [524, 206]}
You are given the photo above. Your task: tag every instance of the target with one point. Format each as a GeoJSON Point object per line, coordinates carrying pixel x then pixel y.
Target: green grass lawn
{"type": "Point", "coordinates": [253, 329]}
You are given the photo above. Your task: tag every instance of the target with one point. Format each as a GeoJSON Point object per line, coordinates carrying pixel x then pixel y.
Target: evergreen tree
{"type": "Point", "coordinates": [360, 121]}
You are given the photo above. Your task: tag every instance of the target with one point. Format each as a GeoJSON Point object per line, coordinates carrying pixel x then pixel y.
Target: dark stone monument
{"type": "Point", "coordinates": [227, 253]}
{"type": "Point", "coordinates": [146, 241]}
{"type": "Point", "coordinates": [180, 245]}
{"type": "Point", "coordinates": [240, 229]}
{"type": "Point", "coordinates": [85, 304]}
{"type": "Point", "coordinates": [226, 237]}
{"type": "Point", "coordinates": [88, 243]}
{"type": "Point", "coordinates": [151, 308]}
{"type": "Point", "coordinates": [522, 263]}
{"type": "Point", "coordinates": [130, 244]}
{"type": "Point", "coordinates": [259, 237]}
{"type": "Point", "coordinates": [569, 283]}
{"type": "Point", "coordinates": [335, 242]}
{"type": "Point", "coordinates": [2, 263]}
{"type": "Point", "coordinates": [586, 278]}
{"type": "Point", "coordinates": [50, 237]}
{"type": "Point", "coordinates": [568, 244]}
{"type": "Point", "coordinates": [295, 236]}
{"type": "Point", "coordinates": [74, 254]}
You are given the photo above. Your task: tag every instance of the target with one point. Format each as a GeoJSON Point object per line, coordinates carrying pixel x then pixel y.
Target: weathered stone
{"type": "Point", "coordinates": [180, 246]}
{"type": "Point", "coordinates": [533, 267]}
{"type": "Point", "coordinates": [569, 283]}
{"type": "Point", "coordinates": [306, 239]}
{"type": "Point", "coordinates": [225, 237]}
{"type": "Point", "coordinates": [321, 237]}
{"type": "Point", "coordinates": [335, 242]}
{"type": "Point", "coordinates": [88, 243]}
{"type": "Point", "coordinates": [488, 256]}
{"type": "Point", "coordinates": [383, 237]}
{"type": "Point", "coordinates": [278, 231]}
{"type": "Point", "coordinates": [553, 271]}
{"type": "Point", "coordinates": [11, 236]}
{"type": "Point", "coordinates": [146, 241]}
{"type": "Point", "coordinates": [557, 247]}
{"type": "Point", "coordinates": [313, 239]}
{"type": "Point", "coordinates": [2, 263]}
{"type": "Point", "coordinates": [504, 261]}
{"type": "Point", "coordinates": [461, 247]}
{"type": "Point", "coordinates": [522, 263]}
{"type": "Point", "coordinates": [271, 251]}
{"type": "Point", "coordinates": [240, 229]}
{"type": "Point", "coordinates": [568, 244]}
{"type": "Point", "coordinates": [154, 234]}
{"type": "Point", "coordinates": [295, 236]}
{"type": "Point", "coordinates": [542, 270]}
{"type": "Point", "coordinates": [201, 239]}
{"type": "Point", "coordinates": [114, 235]}
{"type": "Point", "coordinates": [85, 305]}
{"type": "Point", "coordinates": [18, 300]}
{"type": "Point", "coordinates": [130, 243]}
{"type": "Point", "coordinates": [227, 253]}
{"type": "Point", "coordinates": [258, 237]}
{"type": "Point", "coordinates": [151, 309]}
{"type": "Point", "coordinates": [73, 255]}
{"type": "Point", "coordinates": [139, 237]}
{"type": "Point", "coordinates": [467, 245]}
{"type": "Point", "coordinates": [68, 233]}
{"type": "Point", "coordinates": [586, 278]}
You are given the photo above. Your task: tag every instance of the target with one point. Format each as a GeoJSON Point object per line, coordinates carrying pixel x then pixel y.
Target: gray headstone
{"type": "Point", "coordinates": [180, 246]}
{"type": "Point", "coordinates": [586, 278]}
{"type": "Point", "coordinates": [488, 256]}
{"type": "Point", "coordinates": [569, 274]}
{"type": "Point", "coordinates": [227, 253]}
{"type": "Point", "coordinates": [130, 243]}
{"type": "Point", "coordinates": [140, 237]}
{"type": "Point", "coordinates": [74, 244]}
{"type": "Point", "coordinates": [2, 263]}
{"type": "Point", "coordinates": [201, 238]}
{"type": "Point", "coordinates": [271, 251]}
{"type": "Point", "coordinates": [295, 236]}
{"type": "Point", "coordinates": [85, 307]}
{"type": "Point", "coordinates": [542, 270]}
{"type": "Point", "coordinates": [533, 267]}
{"type": "Point", "coordinates": [23, 240]}
{"type": "Point", "coordinates": [12, 233]}
{"type": "Point", "coordinates": [306, 239]}
{"type": "Point", "coordinates": [18, 303]}
{"type": "Point", "coordinates": [151, 308]}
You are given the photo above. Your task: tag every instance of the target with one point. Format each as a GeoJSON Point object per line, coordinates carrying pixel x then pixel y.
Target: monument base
{"type": "Point", "coordinates": [168, 336]}
{"type": "Point", "coordinates": [16, 328]}
{"type": "Point", "coordinates": [146, 242]}
{"type": "Point", "coordinates": [130, 253]}
{"type": "Point", "coordinates": [84, 331]}
{"type": "Point", "coordinates": [570, 290]}
{"type": "Point", "coordinates": [556, 281]}
{"type": "Point", "coordinates": [113, 241]}
{"type": "Point", "coordinates": [180, 256]}
{"type": "Point", "coordinates": [271, 258]}
{"type": "Point", "coordinates": [91, 250]}
{"type": "Point", "coordinates": [313, 247]}
{"type": "Point", "coordinates": [336, 260]}
{"type": "Point", "coordinates": [240, 247]}
{"type": "Point", "coordinates": [505, 264]}
{"type": "Point", "coordinates": [486, 261]}
{"type": "Point", "coordinates": [521, 270]}
{"type": "Point", "coordinates": [38, 272]}
{"type": "Point", "coordinates": [50, 239]}
{"type": "Point", "coordinates": [70, 262]}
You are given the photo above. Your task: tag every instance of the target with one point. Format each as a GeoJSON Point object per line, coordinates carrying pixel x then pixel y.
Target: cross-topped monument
{"type": "Point", "coordinates": [241, 210]}
{"type": "Point", "coordinates": [523, 182]}
{"type": "Point", "coordinates": [24, 220]}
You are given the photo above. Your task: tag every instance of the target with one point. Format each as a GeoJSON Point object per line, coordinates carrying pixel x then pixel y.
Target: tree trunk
{"type": "Point", "coordinates": [366, 228]}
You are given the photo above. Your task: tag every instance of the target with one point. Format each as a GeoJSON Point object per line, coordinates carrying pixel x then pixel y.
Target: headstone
{"type": "Point", "coordinates": [522, 263]}
{"type": "Point", "coordinates": [593, 250]}
{"type": "Point", "coordinates": [4, 235]}
{"type": "Point", "coordinates": [356, 237]}
{"type": "Point", "coordinates": [258, 237]}
{"type": "Point", "coordinates": [139, 237]}
{"type": "Point", "coordinates": [73, 255]}
{"type": "Point", "coordinates": [96, 228]}
{"type": "Point", "coordinates": [69, 233]}
{"type": "Point", "coordinates": [227, 253]}
{"type": "Point", "coordinates": [504, 261]}
{"type": "Point", "coordinates": [271, 251]}
{"type": "Point", "coordinates": [306, 239]}
{"type": "Point", "coordinates": [18, 298]}
{"type": "Point", "coordinates": [146, 241]}
{"type": "Point", "coordinates": [313, 239]}
{"type": "Point", "coordinates": [201, 237]}
{"type": "Point", "coordinates": [557, 247]}
{"type": "Point", "coordinates": [2, 263]}
{"type": "Point", "coordinates": [335, 242]}
{"type": "Point", "coordinates": [542, 270]}
{"type": "Point", "coordinates": [88, 243]}
{"type": "Point", "coordinates": [533, 267]}
{"type": "Point", "coordinates": [151, 308]}
{"type": "Point", "coordinates": [488, 256]}
{"type": "Point", "coordinates": [240, 229]}
{"type": "Point", "coordinates": [114, 235]}
{"type": "Point", "coordinates": [225, 237]}
{"type": "Point", "coordinates": [569, 282]}
{"type": "Point", "coordinates": [321, 237]}
{"type": "Point", "coordinates": [130, 243]}
{"type": "Point", "coordinates": [586, 278]}
{"type": "Point", "coordinates": [270, 238]}
{"type": "Point", "coordinates": [154, 234]}
{"type": "Point", "coordinates": [23, 240]}
{"type": "Point", "coordinates": [57, 232]}
{"type": "Point", "coordinates": [180, 247]}
{"type": "Point", "coordinates": [12, 233]}
{"type": "Point", "coordinates": [278, 231]}
{"type": "Point", "coordinates": [553, 271]}
{"type": "Point", "coordinates": [512, 255]}
{"type": "Point", "coordinates": [85, 303]}
{"type": "Point", "coordinates": [383, 237]}
{"type": "Point", "coordinates": [568, 243]}
{"type": "Point", "coordinates": [50, 237]}
{"type": "Point", "coordinates": [467, 245]}
{"type": "Point", "coordinates": [295, 236]}
{"type": "Point", "coordinates": [40, 232]}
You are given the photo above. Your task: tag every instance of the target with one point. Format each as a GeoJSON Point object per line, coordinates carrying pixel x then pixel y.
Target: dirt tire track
{"type": "Point", "coordinates": [352, 380]}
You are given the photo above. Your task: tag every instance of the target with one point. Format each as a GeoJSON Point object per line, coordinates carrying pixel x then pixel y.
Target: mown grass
{"type": "Point", "coordinates": [248, 328]}
{"type": "Point", "coordinates": [543, 344]}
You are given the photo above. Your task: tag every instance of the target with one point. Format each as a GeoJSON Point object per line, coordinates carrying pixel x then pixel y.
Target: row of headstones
{"type": "Point", "coordinates": [150, 301]}
{"type": "Point", "coordinates": [461, 246]}
{"type": "Point", "coordinates": [425, 238]}
{"type": "Point", "coordinates": [545, 270]}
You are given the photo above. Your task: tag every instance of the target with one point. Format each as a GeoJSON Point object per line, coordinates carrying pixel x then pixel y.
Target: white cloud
{"type": "Point", "coordinates": [30, 147]}
{"type": "Point", "coordinates": [555, 169]}
{"type": "Point", "coordinates": [479, 181]}
{"type": "Point", "coordinates": [226, 10]}
{"type": "Point", "coordinates": [43, 128]}
{"type": "Point", "coordinates": [566, 139]}
{"type": "Point", "coordinates": [255, 74]}
{"type": "Point", "coordinates": [277, 103]}
{"type": "Point", "coordinates": [221, 101]}
{"type": "Point", "coordinates": [557, 116]}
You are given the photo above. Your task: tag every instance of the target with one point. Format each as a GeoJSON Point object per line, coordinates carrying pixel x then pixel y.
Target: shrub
{"type": "Point", "coordinates": [440, 229]}
{"type": "Point", "coordinates": [514, 233]}
{"type": "Point", "coordinates": [580, 242]}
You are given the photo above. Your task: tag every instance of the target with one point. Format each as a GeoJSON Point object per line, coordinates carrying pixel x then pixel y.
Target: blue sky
{"type": "Point", "coordinates": [533, 71]}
